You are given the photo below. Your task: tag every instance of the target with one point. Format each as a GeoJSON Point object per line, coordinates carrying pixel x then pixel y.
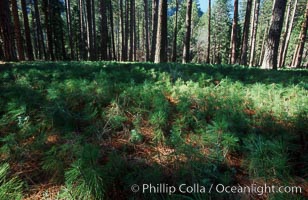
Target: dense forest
{"type": "Point", "coordinates": [266, 33]}
{"type": "Point", "coordinates": [153, 99]}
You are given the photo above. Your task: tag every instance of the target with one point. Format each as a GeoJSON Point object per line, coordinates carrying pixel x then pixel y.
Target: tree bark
{"type": "Point", "coordinates": [263, 44]}
{"type": "Point", "coordinates": [284, 35]}
{"type": "Point", "coordinates": [90, 29]}
{"type": "Point", "coordinates": [27, 31]}
{"type": "Point", "coordinates": [233, 48]}
{"type": "Point", "coordinates": [295, 55]}
{"type": "Point", "coordinates": [161, 39]}
{"type": "Point", "coordinates": [114, 57]}
{"type": "Point", "coordinates": [126, 30]}
{"type": "Point", "coordinates": [39, 31]}
{"type": "Point", "coordinates": [244, 48]}
{"type": "Point", "coordinates": [64, 56]}
{"type": "Point", "coordinates": [254, 32]}
{"type": "Point", "coordinates": [7, 31]}
{"type": "Point", "coordinates": [175, 32]}
{"type": "Point", "coordinates": [131, 30]}
{"type": "Point", "coordinates": [271, 48]}
{"type": "Point", "coordinates": [154, 28]}
{"type": "Point", "coordinates": [146, 28]}
{"type": "Point", "coordinates": [19, 39]}
{"type": "Point", "coordinates": [94, 30]}
{"type": "Point", "coordinates": [46, 8]}
{"type": "Point", "coordinates": [81, 30]}
{"type": "Point", "coordinates": [135, 32]}
{"type": "Point", "coordinates": [104, 33]}
{"type": "Point", "coordinates": [285, 45]}
{"type": "Point", "coordinates": [302, 39]}
{"type": "Point", "coordinates": [69, 27]}
{"type": "Point", "coordinates": [1, 50]}
{"type": "Point", "coordinates": [209, 35]}
{"type": "Point", "coordinates": [186, 49]}
{"type": "Point", "coordinates": [122, 30]}
{"type": "Point", "coordinates": [35, 37]}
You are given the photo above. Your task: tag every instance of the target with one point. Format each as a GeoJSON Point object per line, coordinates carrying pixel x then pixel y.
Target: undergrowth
{"type": "Point", "coordinates": [97, 128]}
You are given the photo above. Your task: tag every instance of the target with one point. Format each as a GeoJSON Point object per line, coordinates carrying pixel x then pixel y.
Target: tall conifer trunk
{"type": "Point", "coordinates": [270, 59]}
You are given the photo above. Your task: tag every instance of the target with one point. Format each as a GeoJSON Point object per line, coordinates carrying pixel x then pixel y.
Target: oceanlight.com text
{"type": "Point", "coordinates": [164, 188]}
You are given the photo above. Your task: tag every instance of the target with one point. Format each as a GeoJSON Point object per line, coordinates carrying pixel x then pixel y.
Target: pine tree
{"type": "Point", "coordinates": [233, 55]}
{"type": "Point", "coordinates": [40, 36]}
{"type": "Point", "coordinates": [47, 13]}
{"type": "Point", "coordinates": [27, 31]}
{"type": "Point", "coordinates": [254, 31]}
{"type": "Point", "coordinates": [186, 49]}
{"type": "Point", "coordinates": [154, 28]}
{"type": "Point", "coordinates": [175, 32]}
{"type": "Point", "coordinates": [302, 40]}
{"type": "Point", "coordinates": [270, 59]}
{"type": "Point", "coordinates": [7, 31]}
{"type": "Point", "coordinates": [286, 41]}
{"type": "Point", "coordinates": [69, 27]}
{"type": "Point", "coordinates": [104, 34]}
{"type": "Point", "coordinates": [244, 48]}
{"type": "Point", "coordinates": [146, 28]}
{"type": "Point", "coordinates": [19, 39]}
{"type": "Point", "coordinates": [161, 39]}
{"type": "Point", "coordinates": [220, 31]}
{"type": "Point", "coordinates": [209, 34]}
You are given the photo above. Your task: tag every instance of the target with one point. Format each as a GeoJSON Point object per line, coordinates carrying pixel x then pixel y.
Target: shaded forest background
{"type": "Point", "coordinates": [174, 30]}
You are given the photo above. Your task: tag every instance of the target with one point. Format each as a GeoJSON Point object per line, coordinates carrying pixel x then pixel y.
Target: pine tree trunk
{"type": "Point", "coordinates": [244, 48]}
{"type": "Point", "coordinates": [35, 38]}
{"type": "Point", "coordinates": [122, 31]}
{"type": "Point", "coordinates": [81, 30]}
{"type": "Point", "coordinates": [263, 44]}
{"type": "Point", "coordinates": [209, 35]}
{"type": "Point", "coordinates": [233, 47]}
{"type": "Point", "coordinates": [270, 60]}
{"type": "Point", "coordinates": [288, 36]}
{"type": "Point", "coordinates": [27, 31]}
{"type": "Point", "coordinates": [254, 32]}
{"type": "Point", "coordinates": [46, 8]}
{"type": "Point", "coordinates": [295, 55]}
{"type": "Point", "coordinates": [1, 49]}
{"type": "Point", "coordinates": [94, 30]}
{"type": "Point", "coordinates": [214, 49]}
{"type": "Point", "coordinates": [19, 39]}
{"type": "Point", "coordinates": [154, 28]}
{"type": "Point", "coordinates": [302, 39]}
{"type": "Point", "coordinates": [161, 39]}
{"type": "Point", "coordinates": [175, 32]}
{"type": "Point", "coordinates": [131, 30]}
{"type": "Point", "coordinates": [135, 32]}
{"type": "Point", "coordinates": [114, 57]}
{"type": "Point", "coordinates": [186, 49]}
{"type": "Point", "coordinates": [284, 35]}
{"type": "Point", "coordinates": [118, 31]}
{"type": "Point", "coordinates": [64, 56]}
{"type": "Point", "coordinates": [146, 28]}
{"type": "Point", "coordinates": [7, 31]}
{"type": "Point", "coordinates": [104, 33]}
{"type": "Point", "coordinates": [126, 35]}
{"type": "Point", "coordinates": [39, 31]}
{"type": "Point", "coordinates": [69, 27]}
{"type": "Point", "coordinates": [90, 29]}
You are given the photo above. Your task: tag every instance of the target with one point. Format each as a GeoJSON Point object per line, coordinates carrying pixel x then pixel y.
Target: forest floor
{"type": "Point", "coordinates": [92, 130]}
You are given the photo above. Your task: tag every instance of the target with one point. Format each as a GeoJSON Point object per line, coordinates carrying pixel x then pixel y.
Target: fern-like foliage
{"type": "Point", "coordinates": [267, 158]}
{"type": "Point", "coordinates": [85, 178]}
{"type": "Point", "coordinates": [10, 188]}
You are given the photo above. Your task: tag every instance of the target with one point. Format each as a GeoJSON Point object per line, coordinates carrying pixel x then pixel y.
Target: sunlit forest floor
{"type": "Point", "coordinates": [90, 130]}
